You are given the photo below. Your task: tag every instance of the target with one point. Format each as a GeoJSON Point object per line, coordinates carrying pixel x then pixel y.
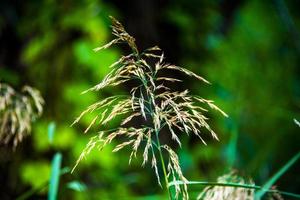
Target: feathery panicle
{"type": "Point", "coordinates": [149, 100]}
{"type": "Point", "coordinates": [17, 112]}
{"type": "Point", "coordinates": [232, 193]}
{"type": "Point", "coordinates": [221, 192]}
{"type": "Point", "coordinates": [122, 36]}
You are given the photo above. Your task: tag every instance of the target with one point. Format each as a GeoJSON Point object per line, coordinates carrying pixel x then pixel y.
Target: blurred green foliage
{"type": "Point", "coordinates": [243, 48]}
{"type": "Point", "coordinates": [30, 168]}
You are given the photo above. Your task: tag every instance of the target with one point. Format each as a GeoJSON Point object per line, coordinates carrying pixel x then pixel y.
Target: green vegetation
{"type": "Point", "coordinates": [248, 50]}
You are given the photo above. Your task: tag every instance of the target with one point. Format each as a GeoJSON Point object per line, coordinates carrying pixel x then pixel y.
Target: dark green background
{"type": "Point", "coordinates": [248, 50]}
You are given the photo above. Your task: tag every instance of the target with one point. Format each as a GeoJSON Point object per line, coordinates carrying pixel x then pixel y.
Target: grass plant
{"type": "Point", "coordinates": [151, 100]}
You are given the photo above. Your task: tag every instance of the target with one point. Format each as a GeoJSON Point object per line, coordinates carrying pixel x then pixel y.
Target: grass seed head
{"type": "Point", "coordinates": [158, 105]}
{"type": "Point", "coordinates": [228, 193]}
{"type": "Point", "coordinates": [17, 112]}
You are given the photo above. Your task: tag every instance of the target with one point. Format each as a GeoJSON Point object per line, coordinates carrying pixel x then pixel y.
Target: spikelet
{"type": "Point", "coordinates": [136, 144]}
{"type": "Point", "coordinates": [122, 145]}
{"type": "Point", "coordinates": [130, 117]}
{"type": "Point", "coordinates": [175, 170]}
{"type": "Point", "coordinates": [186, 71]}
{"type": "Point", "coordinates": [147, 147]}
{"type": "Point", "coordinates": [154, 165]}
{"type": "Point", "coordinates": [211, 104]}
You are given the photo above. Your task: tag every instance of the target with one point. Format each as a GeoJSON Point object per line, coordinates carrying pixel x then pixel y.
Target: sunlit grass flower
{"type": "Point", "coordinates": [151, 99]}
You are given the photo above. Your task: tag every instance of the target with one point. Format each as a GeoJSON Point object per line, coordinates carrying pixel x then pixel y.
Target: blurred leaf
{"type": "Point", "coordinates": [36, 190]}
{"type": "Point", "coordinates": [98, 62]}
{"type": "Point", "coordinates": [35, 173]}
{"type": "Point", "coordinates": [77, 186]}
{"type": "Point", "coordinates": [37, 46]}
{"type": "Point", "coordinates": [231, 148]}
{"type": "Point", "coordinates": [51, 131]}
{"type": "Point", "coordinates": [9, 76]}
{"type": "Point", "coordinates": [186, 159]}
{"type": "Point", "coordinates": [66, 137]}
{"type": "Point", "coordinates": [40, 140]}
{"type": "Point", "coordinates": [55, 174]}
{"type": "Point", "coordinates": [74, 89]}
{"type": "Point", "coordinates": [84, 19]}
{"type": "Point", "coordinates": [276, 176]}
{"type": "Point", "coordinates": [297, 122]}
{"type": "Point", "coordinates": [65, 170]}
{"type": "Point", "coordinates": [150, 197]}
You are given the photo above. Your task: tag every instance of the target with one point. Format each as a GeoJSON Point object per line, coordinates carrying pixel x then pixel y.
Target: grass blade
{"type": "Point", "coordinates": [51, 131]}
{"type": "Point", "coordinates": [55, 174]}
{"type": "Point", "coordinates": [297, 122]}
{"type": "Point", "coordinates": [231, 147]}
{"type": "Point", "coordinates": [77, 186]}
{"type": "Point", "coordinates": [276, 176]}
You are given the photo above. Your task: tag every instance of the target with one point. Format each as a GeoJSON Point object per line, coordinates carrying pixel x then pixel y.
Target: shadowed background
{"type": "Point", "coordinates": [248, 50]}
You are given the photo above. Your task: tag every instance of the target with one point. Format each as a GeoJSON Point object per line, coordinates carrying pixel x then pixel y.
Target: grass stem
{"type": "Point", "coordinates": [163, 166]}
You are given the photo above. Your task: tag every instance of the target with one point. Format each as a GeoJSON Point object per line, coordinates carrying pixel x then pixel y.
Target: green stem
{"type": "Point", "coordinates": [163, 166]}
{"type": "Point", "coordinates": [145, 82]}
